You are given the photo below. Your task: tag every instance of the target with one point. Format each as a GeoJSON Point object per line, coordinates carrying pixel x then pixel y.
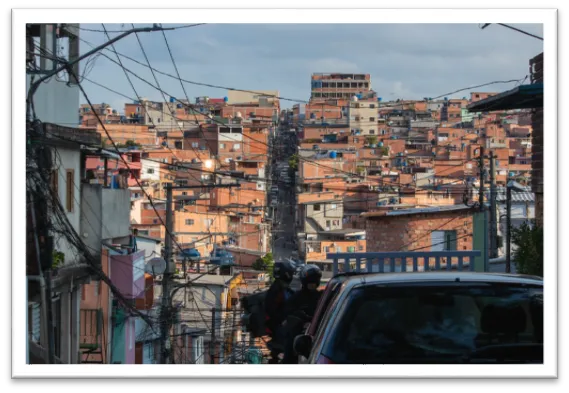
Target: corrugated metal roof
{"type": "Point", "coordinates": [523, 197]}
{"type": "Point", "coordinates": [423, 210]}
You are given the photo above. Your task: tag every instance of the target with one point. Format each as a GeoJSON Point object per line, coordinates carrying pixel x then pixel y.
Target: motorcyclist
{"type": "Point", "coordinates": [300, 308]}
{"type": "Point", "coordinates": [276, 300]}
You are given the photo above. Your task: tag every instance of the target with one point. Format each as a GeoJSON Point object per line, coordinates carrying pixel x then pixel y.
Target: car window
{"type": "Point", "coordinates": [327, 297]}
{"type": "Point", "coordinates": [414, 324]}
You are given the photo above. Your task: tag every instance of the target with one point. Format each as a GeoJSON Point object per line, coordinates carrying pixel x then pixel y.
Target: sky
{"type": "Point", "coordinates": [406, 61]}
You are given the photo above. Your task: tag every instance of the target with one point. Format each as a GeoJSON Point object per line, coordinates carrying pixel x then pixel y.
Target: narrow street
{"type": "Point", "coordinates": [283, 228]}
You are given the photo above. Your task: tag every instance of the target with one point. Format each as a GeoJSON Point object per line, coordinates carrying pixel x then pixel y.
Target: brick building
{"type": "Point", "coordinates": [429, 229]}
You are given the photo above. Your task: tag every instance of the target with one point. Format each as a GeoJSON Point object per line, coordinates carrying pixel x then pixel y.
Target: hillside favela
{"type": "Point", "coordinates": [319, 217]}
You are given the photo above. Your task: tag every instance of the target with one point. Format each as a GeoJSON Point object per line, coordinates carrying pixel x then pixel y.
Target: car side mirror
{"type": "Point", "coordinates": [303, 345]}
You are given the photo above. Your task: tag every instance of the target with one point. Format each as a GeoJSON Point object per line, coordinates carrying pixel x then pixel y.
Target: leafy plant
{"type": "Point", "coordinates": [293, 161]}
{"type": "Point", "coordinates": [529, 254]}
{"type": "Point", "coordinates": [58, 259]}
{"type": "Point", "coordinates": [384, 151]}
{"type": "Point", "coordinates": [360, 170]}
{"type": "Point", "coordinates": [265, 264]}
{"type": "Point", "coordinates": [371, 139]}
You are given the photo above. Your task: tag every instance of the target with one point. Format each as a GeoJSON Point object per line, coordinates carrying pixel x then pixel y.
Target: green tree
{"type": "Point", "coordinates": [528, 257]}
{"type": "Point", "coordinates": [293, 162]}
{"type": "Point", "coordinates": [384, 151]}
{"type": "Point", "coordinates": [371, 139]}
{"type": "Point", "coordinates": [265, 264]}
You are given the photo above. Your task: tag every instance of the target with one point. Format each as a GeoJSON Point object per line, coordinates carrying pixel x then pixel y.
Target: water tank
{"type": "Point", "coordinates": [355, 98]}
{"type": "Point", "coordinates": [359, 96]}
{"type": "Point", "coordinates": [179, 106]}
{"type": "Point", "coordinates": [379, 99]}
{"type": "Point", "coordinates": [172, 99]}
{"type": "Point", "coordinates": [380, 144]}
{"type": "Point", "coordinates": [238, 114]}
{"type": "Point", "coordinates": [312, 116]}
{"type": "Point", "coordinates": [333, 154]}
{"type": "Point", "coordinates": [225, 99]}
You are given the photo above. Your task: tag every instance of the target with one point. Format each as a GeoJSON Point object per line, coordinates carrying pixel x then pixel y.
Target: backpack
{"type": "Point", "coordinates": [253, 318]}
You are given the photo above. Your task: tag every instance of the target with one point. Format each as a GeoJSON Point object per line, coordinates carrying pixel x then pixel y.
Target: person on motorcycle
{"type": "Point", "coordinates": [276, 299]}
{"type": "Point", "coordinates": [300, 308]}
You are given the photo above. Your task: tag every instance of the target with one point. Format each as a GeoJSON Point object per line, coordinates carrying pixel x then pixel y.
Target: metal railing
{"type": "Point", "coordinates": [402, 261]}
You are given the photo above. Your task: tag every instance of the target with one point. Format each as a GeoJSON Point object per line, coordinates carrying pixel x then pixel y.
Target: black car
{"type": "Point", "coordinates": [427, 318]}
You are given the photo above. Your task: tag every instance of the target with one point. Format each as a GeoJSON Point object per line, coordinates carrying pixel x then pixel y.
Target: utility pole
{"type": "Point", "coordinates": [234, 335]}
{"type": "Point", "coordinates": [212, 340]}
{"type": "Point", "coordinates": [509, 228]}
{"type": "Point", "coordinates": [493, 219]}
{"type": "Point", "coordinates": [34, 86]}
{"type": "Point", "coordinates": [44, 165]}
{"type": "Point", "coordinates": [166, 317]}
{"type": "Point", "coordinates": [481, 188]}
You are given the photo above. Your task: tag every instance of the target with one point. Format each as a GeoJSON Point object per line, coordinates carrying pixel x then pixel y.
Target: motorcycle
{"type": "Point", "coordinates": [295, 324]}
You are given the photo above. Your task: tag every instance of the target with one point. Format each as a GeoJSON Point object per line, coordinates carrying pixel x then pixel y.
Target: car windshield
{"type": "Point", "coordinates": [464, 323]}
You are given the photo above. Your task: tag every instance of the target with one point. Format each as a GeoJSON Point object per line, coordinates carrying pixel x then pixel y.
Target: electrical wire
{"type": "Point", "coordinates": [123, 31]}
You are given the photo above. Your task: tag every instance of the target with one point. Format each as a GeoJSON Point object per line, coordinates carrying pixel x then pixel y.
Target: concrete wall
{"type": "Point", "coordinates": [155, 168]}
{"type": "Point", "coordinates": [326, 213]}
{"type": "Point", "coordinates": [150, 247]}
{"type": "Point", "coordinates": [69, 159]}
{"type": "Point", "coordinates": [106, 214]}
{"type": "Point", "coordinates": [55, 102]}
{"type": "Point", "coordinates": [127, 272]}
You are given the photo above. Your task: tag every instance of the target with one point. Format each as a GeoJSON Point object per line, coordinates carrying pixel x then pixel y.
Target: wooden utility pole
{"type": "Point", "coordinates": [481, 188]}
{"type": "Point", "coordinates": [493, 220]}
{"type": "Point", "coordinates": [212, 340]}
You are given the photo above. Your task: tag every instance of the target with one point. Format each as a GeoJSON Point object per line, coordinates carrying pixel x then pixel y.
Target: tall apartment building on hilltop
{"type": "Point", "coordinates": [337, 85]}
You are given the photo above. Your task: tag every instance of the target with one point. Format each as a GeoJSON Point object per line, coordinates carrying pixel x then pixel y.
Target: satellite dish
{"type": "Point", "coordinates": [155, 266]}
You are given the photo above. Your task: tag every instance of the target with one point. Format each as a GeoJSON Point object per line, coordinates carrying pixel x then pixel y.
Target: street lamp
{"type": "Point", "coordinates": [517, 187]}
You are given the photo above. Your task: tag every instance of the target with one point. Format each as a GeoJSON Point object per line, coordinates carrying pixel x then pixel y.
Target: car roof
{"type": "Point", "coordinates": [387, 278]}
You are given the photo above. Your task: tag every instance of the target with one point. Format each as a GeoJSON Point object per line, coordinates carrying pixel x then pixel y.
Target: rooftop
{"type": "Point", "coordinates": [524, 96]}
{"type": "Point", "coordinates": [422, 210]}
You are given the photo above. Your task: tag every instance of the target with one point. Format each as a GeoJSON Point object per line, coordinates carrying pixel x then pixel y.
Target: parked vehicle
{"type": "Point", "coordinates": [420, 318]}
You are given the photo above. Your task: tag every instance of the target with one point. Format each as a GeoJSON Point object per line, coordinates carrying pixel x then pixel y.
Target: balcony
{"type": "Point", "coordinates": [91, 322]}
{"type": "Point", "coordinates": [105, 215]}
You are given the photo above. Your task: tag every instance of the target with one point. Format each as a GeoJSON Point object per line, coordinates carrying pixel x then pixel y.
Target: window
{"type": "Point", "coordinates": [372, 106]}
{"type": "Point", "coordinates": [155, 221]}
{"type": "Point", "coordinates": [189, 221]}
{"type": "Point", "coordinates": [316, 207]}
{"type": "Point", "coordinates": [443, 241]}
{"type": "Point", "coordinates": [372, 119]}
{"type": "Point", "coordinates": [150, 170]}
{"type": "Point", "coordinates": [376, 321]}
{"type": "Point", "coordinates": [372, 132]}
{"type": "Point", "coordinates": [326, 249]}
{"type": "Point", "coordinates": [70, 190]}
{"type": "Point", "coordinates": [237, 146]}
{"type": "Point", "coordinates": [178, 144]}
{"type": "Point", "coordinates": [327, 223]}
{"type": "Point", "coordinates": [222, 145]}
{"type": "Point", "coordinates": [338, 249]}
{"type": "Point", "coordinates": [34, 322]}
{"type": "Point", "coordinates": [195, 144]}
{"type": "Point", "coordinates": [333, 206]}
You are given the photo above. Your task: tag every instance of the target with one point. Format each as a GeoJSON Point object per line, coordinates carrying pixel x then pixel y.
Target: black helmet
{"type": "Point", "coordinates": [310, 274]}
{"type": "Point", "coordinates": [284, 270]}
